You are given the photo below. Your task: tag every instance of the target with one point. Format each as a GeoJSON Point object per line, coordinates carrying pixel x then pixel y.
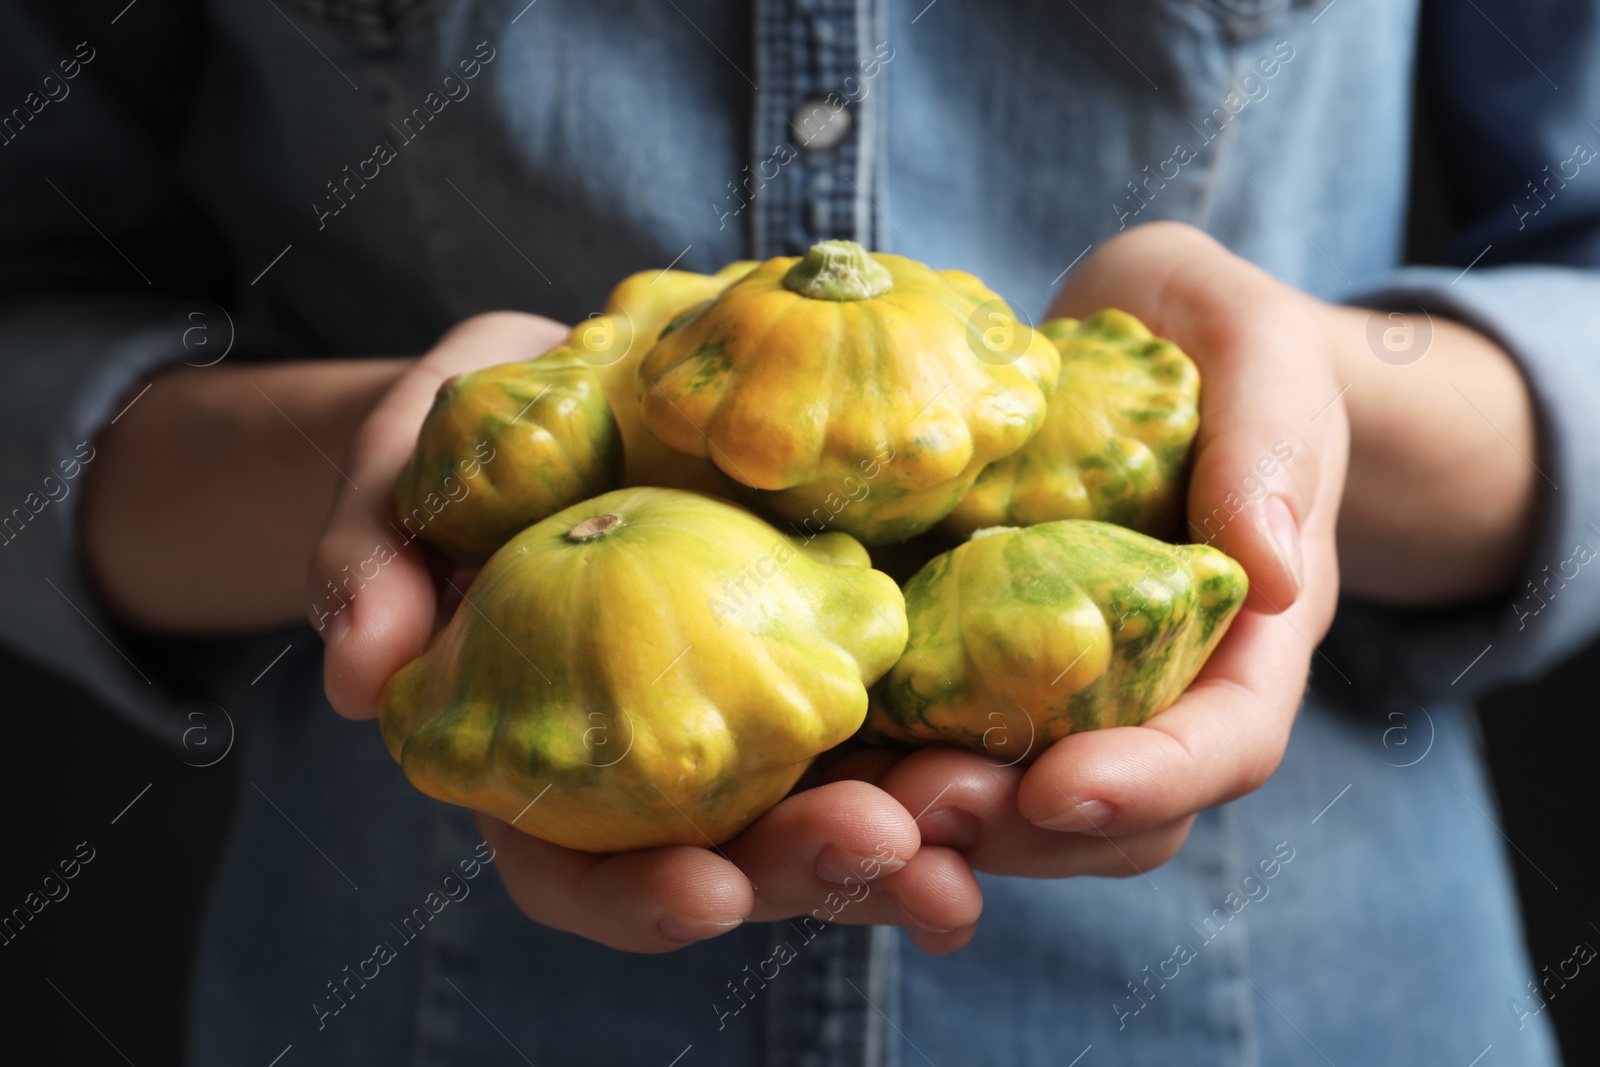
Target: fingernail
{"type": "Point", "coordinates": [686, 928]}
{"type": "Point", "coordinates": [331, 626]}
{"type": "Point", "coordinates": [338, 627]}
{"type": "Point", "coordinates": [1285, 538]}
{"type": "Point", "coordinates": [836, 865]}
{"type": "Point", "coordinates": [332, 623]}
{"type": "Point", "coordinates": [951, 827]}
{"type": "Point", "coordinates": [1081, 816]}
{"type": "Point", "coordinates": [910, 918]}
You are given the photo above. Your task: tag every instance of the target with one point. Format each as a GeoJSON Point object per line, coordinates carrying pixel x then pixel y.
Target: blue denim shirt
{"type": "Point", "coordinates": [349, 177]}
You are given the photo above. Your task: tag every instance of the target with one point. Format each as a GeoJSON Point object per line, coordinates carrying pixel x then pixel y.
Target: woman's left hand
{"type": "Point", "coordinates": [1120, 801]}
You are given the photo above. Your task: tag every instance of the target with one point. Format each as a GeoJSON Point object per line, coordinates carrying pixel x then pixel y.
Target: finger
{"type": "Point", "coordinates": [1222, 739]}
{"type": "Point", "coordinates": [373, 602]}
{"type": "Point", "coordinates": [970, 804]}
{"type": "Point", "coordinates": [1137, 854]}
{"type": "Point", "coordinates": [372, 596]}
{"type": "Point", "coordinates": [1265, 379]}
{"type": "Point", "coordinates": [935, 894]}
{"type": "Point", "coordinates": [369, 574]}
{"type": "Point", "coordinates": [1257, 465]}
{"type": "Point", "coordinates": [945, 943]}
{"type": "Point", "coordinates": [654, 900]}
{"type": "Point", "coordinates": [831, 840]}
{"type": "Point", "coordinates": [847, 852]}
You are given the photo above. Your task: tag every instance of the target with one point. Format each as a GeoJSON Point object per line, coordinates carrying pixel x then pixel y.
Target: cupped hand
{"type": "Point", "coordinates": [1268, 473]}
{"type": "Point", "coordinates": [371, 627]}
{"type": "Point", "coordinates": [846, 852]}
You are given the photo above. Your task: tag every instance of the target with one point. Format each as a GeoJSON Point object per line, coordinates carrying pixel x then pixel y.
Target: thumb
{"type": "Point", "coordinates": [1264, 370]}
{"type": "Point", "coordinates": [372, 595]}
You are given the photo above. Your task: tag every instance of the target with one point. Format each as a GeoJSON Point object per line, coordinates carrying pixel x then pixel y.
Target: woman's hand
{"type": "Point", "coordinates": [1268, 474]}
{"type": "Point", "coordinates": [846, 852]}
{"type": "Point", "coordinates": [374, 627]}
{"type": "Point", "coordinates": [1438, 510]}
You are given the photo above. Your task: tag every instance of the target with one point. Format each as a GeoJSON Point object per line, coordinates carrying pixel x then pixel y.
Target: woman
{"type": "Point", "coordinates": [353, 179]}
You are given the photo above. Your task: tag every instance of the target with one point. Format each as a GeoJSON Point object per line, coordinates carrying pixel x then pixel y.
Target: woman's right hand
{"type": "Point", "coordinates": [845, 851]}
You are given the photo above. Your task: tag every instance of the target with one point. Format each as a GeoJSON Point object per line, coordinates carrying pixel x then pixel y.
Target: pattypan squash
{"type": "Point", "coordinates": [1023, 635]}
{"type": "Point", "coordinates": [615, 341]}
{"type": "Point", "coordinates": [651, 667]}
{"type": "Point", "coordinates": [502, 448]}
{"type": "Point", "coordinates": [1115, 443]}
{"type": "Point", "coordinates": [856, 391]}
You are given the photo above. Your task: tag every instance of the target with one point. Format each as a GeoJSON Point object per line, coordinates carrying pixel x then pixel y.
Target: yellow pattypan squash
{"type": "Point", "coordinates": [651, 667]}
{"type": "Point", "coordinates": [615, 341]}
{"type": "Point", "coordinates": [1022, 636]}
{"type": "Point", "coordinates": [1115, 443]}
{"type": "Point", "coordinates": [857, 391]}
{"type": "Point", "coordinates": [502, 448]}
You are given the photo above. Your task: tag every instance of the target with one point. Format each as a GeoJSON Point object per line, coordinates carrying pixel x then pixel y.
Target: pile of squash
{"type": "Point", "coordinates": [685, 532]}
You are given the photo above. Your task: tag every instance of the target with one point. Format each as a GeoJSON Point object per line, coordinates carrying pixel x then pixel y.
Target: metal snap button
{"type": "Point", "coordinates": [819, 124]}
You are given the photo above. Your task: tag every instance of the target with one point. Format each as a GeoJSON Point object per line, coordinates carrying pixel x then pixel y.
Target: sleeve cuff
{"type": "Point", "coordinates": [65, 370]}
{"type": "Point", "coordinates": [1548, 319]}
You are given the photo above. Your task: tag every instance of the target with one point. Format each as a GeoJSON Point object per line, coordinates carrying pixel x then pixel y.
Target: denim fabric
{"type": "Point", "coordinates": [350, 177]}
{"type": "Point", "coordinates": [1357, 907]}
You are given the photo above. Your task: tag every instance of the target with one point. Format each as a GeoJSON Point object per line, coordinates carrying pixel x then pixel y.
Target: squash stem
{"type": "Point", "coordinates": [838, 270]}
{"type": "Point", "coordinates": [595, 526]}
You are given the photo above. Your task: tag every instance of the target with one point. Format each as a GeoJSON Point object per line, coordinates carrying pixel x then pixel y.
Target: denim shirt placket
{"type": "Point", "coordinates": [834, 1005]}
{"type": "Point", "coordinates": [803, 186]}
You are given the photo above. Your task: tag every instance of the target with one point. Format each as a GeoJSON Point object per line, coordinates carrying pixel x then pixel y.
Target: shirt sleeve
{"type": "Point", "coordinates": [99, 248]}
{"type": "Point", "coordinates": [1523, 162]}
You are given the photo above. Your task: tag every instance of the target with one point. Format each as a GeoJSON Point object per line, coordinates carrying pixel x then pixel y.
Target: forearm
{"type": "Point", "coordinates": [208, 494]}
{"type": "Point", "coordinates": [1442, 493]}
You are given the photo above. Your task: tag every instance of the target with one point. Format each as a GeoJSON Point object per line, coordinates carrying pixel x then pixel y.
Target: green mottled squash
{"type": "Point", "coordinates": [502, 448]}
{"type": "Point", "coordinates": [1022, 636]}
{"type": "Point", "coordinates": [856, 391]}
{"type": "Point", "coordinates": [615, 341]}
{"type": "Point", "coordinates": [651, 667]}
{"type": "Point", "coordinates": [1115, 443]}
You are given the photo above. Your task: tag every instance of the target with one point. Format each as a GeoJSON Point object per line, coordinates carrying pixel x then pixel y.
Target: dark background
{"type": "Point", "coordinates": [101, 976]}
{"type": "Point", "coordinates": [119, 945]}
